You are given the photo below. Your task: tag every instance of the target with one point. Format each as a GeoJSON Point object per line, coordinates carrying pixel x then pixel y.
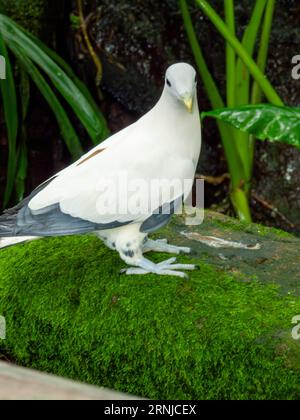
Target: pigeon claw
{"type": "Point", "coordinates": [168, 267]}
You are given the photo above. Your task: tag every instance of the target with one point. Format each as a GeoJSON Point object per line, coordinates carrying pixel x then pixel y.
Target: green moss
{"type": "Point", "coordinates": [69, 312]}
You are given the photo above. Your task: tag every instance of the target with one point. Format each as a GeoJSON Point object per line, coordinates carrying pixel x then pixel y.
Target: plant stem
{"type": "Point", "coordinates": [243, 139]}
{"type": "Point", "coordinates": [210, 85]}
{"type": "Point", "coordinates": [89, 45]}
{"type": "Point", "coordinates": [230, 54]}
{"type": "Point", "coordinates": [257, 94]}
{"type": "Point", "coordinates": [212, 93]}
{"type": "Point", "coordinates": [248, 42]}
{"type": "Point", "coordinates": [231, 72]}
{"type": "Point", "coordinates": [238, 196]}
{"type": "Point", "coordinates": [257, 74]}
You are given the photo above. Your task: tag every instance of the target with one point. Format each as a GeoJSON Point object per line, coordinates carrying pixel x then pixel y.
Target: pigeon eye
{"type": "Point", "coordinates": [169, 83]}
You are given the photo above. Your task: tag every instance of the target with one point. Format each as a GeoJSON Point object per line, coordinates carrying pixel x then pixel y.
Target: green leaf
{"type": "Point", "coordinates": [264, 121]}
{"type": "Point", "coordinates": [213, 94]}
{"type": "Point", "coordinates": [257, 94]}
{"type": "Point", "coordinates": [16, 37]}
{"type": "Point", "coordinates": [243, 142]}
{"type": "Point", "coordinates": [252, 67]}
{"type": "Point", "coordinates": [79, 84]}
{"type": "Point", "coordinates": [230, 54]}
{"type": "Point", "coordinates": [67, 130]}
{"type": "Point", "coordinates": [75, 21]}
{"type": "Point", "coordinates": [248, 42]}
{"type": "Point", "coordinates": [9, 99]}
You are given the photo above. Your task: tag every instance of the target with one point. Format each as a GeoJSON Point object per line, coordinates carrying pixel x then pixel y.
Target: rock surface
{"type": "Point", "coordinates": [224, 333]}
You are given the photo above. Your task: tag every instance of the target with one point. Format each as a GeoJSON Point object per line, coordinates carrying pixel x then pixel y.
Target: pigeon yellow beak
{"type": "Point", "coordinates": [189, 102]}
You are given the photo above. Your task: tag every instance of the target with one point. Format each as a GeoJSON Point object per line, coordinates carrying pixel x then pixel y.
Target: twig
{"type": "Point", "coordinates": [272, 208]}
{"type": "Point", "coordinates": [214, 180]}
{"type": "Point", "coordinates": [92, 52]}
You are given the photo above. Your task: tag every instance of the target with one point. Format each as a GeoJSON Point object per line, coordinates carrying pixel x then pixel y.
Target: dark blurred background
{"type": "Point", "coordinates": [136, 41]}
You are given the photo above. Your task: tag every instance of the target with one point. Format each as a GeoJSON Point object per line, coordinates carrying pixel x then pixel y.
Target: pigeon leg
{"type": "Point", "coordinates": [161, 245]}
{"type": "Point", "coordinates": [167, 268]}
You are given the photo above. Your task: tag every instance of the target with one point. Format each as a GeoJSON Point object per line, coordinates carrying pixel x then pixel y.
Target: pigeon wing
{"type": "Point", "coordinates": [98, 191]}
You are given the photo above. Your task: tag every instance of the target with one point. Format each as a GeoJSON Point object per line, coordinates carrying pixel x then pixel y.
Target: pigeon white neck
{"type": "Point", "coordinates": [173, 106]}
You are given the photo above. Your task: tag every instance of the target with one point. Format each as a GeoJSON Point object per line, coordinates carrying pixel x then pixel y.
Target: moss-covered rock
{"type": "Point", "coordinates": [224, 333]}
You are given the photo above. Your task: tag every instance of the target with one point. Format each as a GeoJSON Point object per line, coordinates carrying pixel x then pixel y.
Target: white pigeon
{"type": "Point", "coordinates": [99, 193]}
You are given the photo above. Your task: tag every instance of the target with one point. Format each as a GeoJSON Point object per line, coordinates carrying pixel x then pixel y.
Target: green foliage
{"type": "Point", "coordinates": [240, 88]}
{"type": "Point", "coordinates": [75, 21]}
{"type": "Point", "coordinates": [34, 59]}
{"type": "Point", "coordinates": [10, 108]}
{"type": "Point", "coordinates": [263, 121]}
{"type": "Point", "coordinates": [69, 312]}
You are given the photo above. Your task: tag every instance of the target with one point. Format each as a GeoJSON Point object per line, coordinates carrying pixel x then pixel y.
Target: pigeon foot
{"type": "Point", "coordinates": [161, 245]}
{"type": "Point", "coordinates": [165, 268]}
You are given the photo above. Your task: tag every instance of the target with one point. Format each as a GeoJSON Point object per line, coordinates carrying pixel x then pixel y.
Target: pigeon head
{"type": "Point", "coordinates": [181, 82]}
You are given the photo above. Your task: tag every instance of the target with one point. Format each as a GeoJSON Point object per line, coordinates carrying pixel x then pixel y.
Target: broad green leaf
{"type": "Point", "coordinates": [263, 121]}
{"type": "Point", "coordinates": [67, 130]}
{"type": "Point", "coordinates": [93, 121]}
{"type": "Point", "coordinates": [9, 100]}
